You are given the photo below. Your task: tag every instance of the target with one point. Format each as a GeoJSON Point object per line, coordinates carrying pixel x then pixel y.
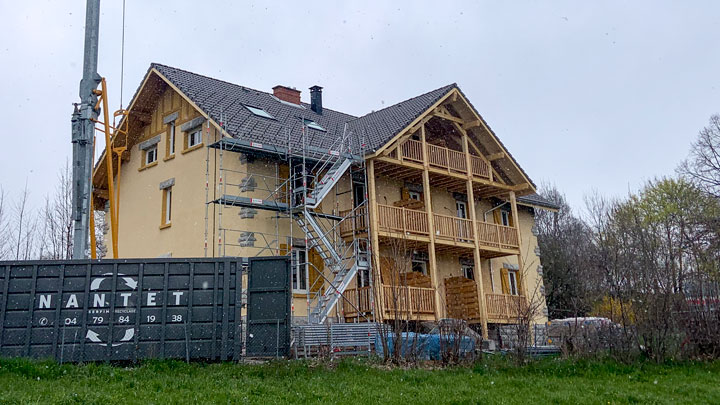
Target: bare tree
{"type": "Point", "coordinates": [4, 225]}
{"type": "Point", "coordinates": [566, 247]}
{"type": "Point", "coordinates": [703, 164]}
{"type": "Point", "coordinates": [57, 231]}
{"type": "Point", "coordinates": [25, 225]}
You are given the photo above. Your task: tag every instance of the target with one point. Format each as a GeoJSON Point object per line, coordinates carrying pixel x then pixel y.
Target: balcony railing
{"type": "Point", "coordinates": [357, 222]}
{"type": "Point", "coordinates": [498, 236]}
{"type": "Point", "coordinates": [407, 221]}
{"type": "Point", "coordinates": [444, 158]}
{"type": "Point", "coordinates": [503, 306]}
{"type": "Point", "coordinates": [399, 301]}
{"type": "Point", "coordinates": [402, 220]}
{"type": "Point", "coordinates": [453, 228]}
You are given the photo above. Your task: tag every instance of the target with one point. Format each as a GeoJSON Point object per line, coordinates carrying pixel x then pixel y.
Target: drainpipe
{"type": "Point", "coordinates": [492, 279]}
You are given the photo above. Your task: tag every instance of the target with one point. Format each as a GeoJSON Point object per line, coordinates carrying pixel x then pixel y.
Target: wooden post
{"type": "Point", "coordinates": [439, 310]}
{"type": "Point", "coordinates": [375, 243]}
{"type": "Point", "coordinates": [516, 219]}
{"type": "Point", "coordinates": [476, 251]}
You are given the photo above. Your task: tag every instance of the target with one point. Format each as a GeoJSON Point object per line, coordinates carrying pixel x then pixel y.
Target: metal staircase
{"type": "Point", "coordinates": [327, 182]}
{"type": "Point", "coordinates": [342, 259]}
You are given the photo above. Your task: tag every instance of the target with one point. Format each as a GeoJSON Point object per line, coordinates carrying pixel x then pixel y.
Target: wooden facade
{"type": "Point", "coordinates": [419, 156]}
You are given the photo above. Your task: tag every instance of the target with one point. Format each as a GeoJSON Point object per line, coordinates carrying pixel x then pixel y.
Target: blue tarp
{"type": "Point", "coordinates": [426, 346]}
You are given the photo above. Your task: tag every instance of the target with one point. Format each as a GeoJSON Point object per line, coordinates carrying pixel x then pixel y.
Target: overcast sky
{"type": "Point", "coordinates": [585, 95]}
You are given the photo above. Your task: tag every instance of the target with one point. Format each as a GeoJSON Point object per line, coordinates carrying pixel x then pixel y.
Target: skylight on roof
{"type": "Point", "coordinates": [259, 112]}
{"type": "Point", "coordinates": [314, 125]}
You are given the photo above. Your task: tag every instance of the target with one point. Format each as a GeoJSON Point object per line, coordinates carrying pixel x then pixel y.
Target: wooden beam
{"type": "Point", "coordinates": [448, 117]}
{"type": "Point", "coordinates": [496, 156]}
{"type": "Point", "coordinates": [374, 244]}
{"type": "Point", "coordinates": [439, 311]}
{"type": "Point", "coordinates": [471, 124]}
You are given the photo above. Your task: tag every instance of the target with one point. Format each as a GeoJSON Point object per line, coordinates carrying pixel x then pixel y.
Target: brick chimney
{"type": "Point", "coordinates": [287, 94]}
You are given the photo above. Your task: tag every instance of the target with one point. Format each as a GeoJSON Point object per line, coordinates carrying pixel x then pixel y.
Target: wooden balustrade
{"type": "Point", "coordinates": [357, 299]}
{"type": "Point", "coordinates": [444, 158]}
{"type": "Point", "coordinates": [358, 222]}
{"type": "Point", "coordinates": [453, 228]}
{"type": "Point", "coordinates": [449, 228]}
{"type": "Point", "coordinates": [503, 306]}
{"type": "Point", "coordinates": [456, 161]}
{"type": "Point", "coordinates": [408, 300]}
{"type": "Point", "coordinates": [399, 301]}
{"type": "Point", "coordinates": [404, 220]}
{"type": "Point", "coordinates": [479, 167]}
{"type": "Point", "coordinates": [412, 150]}
{"type": "Point", "coordinates": [498, 236]}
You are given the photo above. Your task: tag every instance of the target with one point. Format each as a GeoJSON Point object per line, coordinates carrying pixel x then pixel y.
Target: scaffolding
{"type": "Point", "coordinates": [292, 191]}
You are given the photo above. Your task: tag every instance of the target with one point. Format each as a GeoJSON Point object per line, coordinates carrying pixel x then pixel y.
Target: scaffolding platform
{"type": "Point", "coordinates": [269, 205]}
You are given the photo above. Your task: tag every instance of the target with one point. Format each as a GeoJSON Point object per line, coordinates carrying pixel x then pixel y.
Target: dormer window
{"type": "Point", "coordinates": [259, 112]}
{"type": "Point", "coordinates": [314, 125]}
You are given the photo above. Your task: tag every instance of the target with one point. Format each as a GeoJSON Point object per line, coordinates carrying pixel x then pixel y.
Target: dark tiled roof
{"type": "Point", "coordinates": [537, 200]}
{"type": "Point", "coordinates": [378, 127]}
{"type": "Point", "coordinates": [225, 102]}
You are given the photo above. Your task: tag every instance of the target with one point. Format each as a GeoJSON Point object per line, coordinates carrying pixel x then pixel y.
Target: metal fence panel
{"type": "Point", "coordinates": [125, 309]}
{"type": "Point", "coordinates": [268, 307]}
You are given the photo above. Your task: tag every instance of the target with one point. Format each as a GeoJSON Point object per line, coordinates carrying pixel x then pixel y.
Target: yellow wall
{"type": "Point", "coordinates": [141, 233]}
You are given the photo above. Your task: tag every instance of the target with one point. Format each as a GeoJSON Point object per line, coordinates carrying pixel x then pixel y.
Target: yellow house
{"type": "Point", "coordinates": [415, 212]}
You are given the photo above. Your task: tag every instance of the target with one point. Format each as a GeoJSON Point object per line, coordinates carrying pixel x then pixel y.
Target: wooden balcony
{"type": "Point", "coordinates": [400, 222]}
{"type": "Point", "coordinates": [412, 303]}
{"type": "Point", "coordinates": [503, 307]}
{"type": "Point", "coordinates": [444, 158]}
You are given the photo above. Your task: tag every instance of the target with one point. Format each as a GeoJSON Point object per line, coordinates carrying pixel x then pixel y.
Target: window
{"type": "Point", "coordinates": [314, 125]}
{"type": "Point", "coordinates": [419, 266]}
{"type": "Point", "coordinates": [299, 270]}
{"type": "Point", "coordinates": [414, 195]}
{"type": "Point", "coordinates": [151, 155]}
{"type": "Point", "coordinates": [171, 139]}
{"type": "Point", "coordinates": [461, 208]}
{"type": "Point", "coordinates": [512, 278]}
{"type": "Point", "coordinates": [194, 138]}
{"type": "Point", "coordinates": [468, 271]}
{"type": "Point", "coordinates": [505, 218]}
{"type": "Point", "coordinates": [166, 207]}
{"type": "Point", "coordinates": [363, 278]}
{"type": "Point", "coordinates": [259, 112]}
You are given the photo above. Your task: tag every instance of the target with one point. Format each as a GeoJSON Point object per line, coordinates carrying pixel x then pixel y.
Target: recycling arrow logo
{"type": "Point", "coordinates": [95, 284]}
{"type": "Point", "coordinates": [93, 336]}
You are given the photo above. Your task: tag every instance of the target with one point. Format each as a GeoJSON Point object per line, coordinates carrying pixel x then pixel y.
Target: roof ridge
{"type": "Point", "coordinates": [452, 85]}
{"type": "Point", "coordinates": [154, 64]}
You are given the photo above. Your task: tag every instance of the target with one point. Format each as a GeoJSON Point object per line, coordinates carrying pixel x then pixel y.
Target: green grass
{"type": "Point", "coordinates": [494, 381]}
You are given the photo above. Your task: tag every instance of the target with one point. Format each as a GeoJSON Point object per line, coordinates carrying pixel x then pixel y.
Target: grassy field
{"type": "Point", "coordinates": [496, 381]}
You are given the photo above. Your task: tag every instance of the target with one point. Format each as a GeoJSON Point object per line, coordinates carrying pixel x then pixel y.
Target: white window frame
{"type": "Point", "coordinates": [151, 152]}
{"type": "Point", "coordinates": [259, 112]}
{"type": "Point", "coordinates": [462, 204]}
{"type": "Point", "coordinates": [195, 134]}
{"type": "Point", "coordinates": [421, 263]}
{"type": "Point", "coordinates": [513, 282]}
{"type": "Point", "coordinates": [171, 138]}
{"type": "Point", "coordinates": [414, 195]}
{"type": "Point", "coordinates": [467, 268]}
{"type": "Point", "coordinates": [168, 205]}
{"type": "Point", "coordinates": [314, 125]}
{"type": "Point", "coordinates": [505, 218]}
{"type": "Point", "coordinates": [299, 271]}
